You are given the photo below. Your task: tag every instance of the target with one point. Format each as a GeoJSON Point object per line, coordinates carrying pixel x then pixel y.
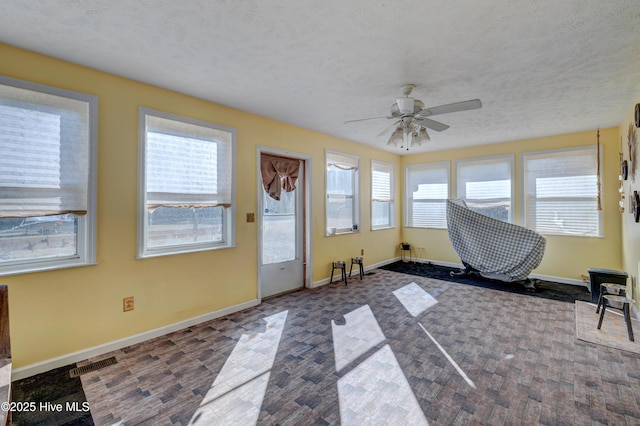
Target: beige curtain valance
{"type": "Point", "coordinates": [278, 173]}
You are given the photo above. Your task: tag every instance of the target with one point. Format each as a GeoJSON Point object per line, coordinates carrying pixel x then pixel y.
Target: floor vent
{"type": "Point", "coordinates": [76, 372]}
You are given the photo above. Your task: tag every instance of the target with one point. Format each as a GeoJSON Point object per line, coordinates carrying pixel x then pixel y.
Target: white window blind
{"type": "Point", "coordinates": [44, 153]}
{"type": "Point", "coordinates": [560, 192]}
{"type": "Point", "coordinates": [486, 185]}
{"type": "Point", "coordinates": [382, 195]}
{"type": "Point", "coordinates": [48, 140]}
{"type": "Point", "coordinates": [342, 193]}
{"type": "Point", "coordinates": [427, 190]}
{"type": "Point", "coordinates": [186, 186]}
{"type": "Point", "coordinates": [188, 165]}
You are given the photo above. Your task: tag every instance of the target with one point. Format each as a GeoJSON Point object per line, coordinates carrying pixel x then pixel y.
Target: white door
{"type": "Point", "coordinates": [282, 240]}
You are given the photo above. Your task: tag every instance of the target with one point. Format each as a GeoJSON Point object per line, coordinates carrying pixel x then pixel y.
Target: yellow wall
{"type": "Point", "coordinates": [630, 229]}
{"type": "Point", "coordinates": [565, 257]}
{"type": "Point", "coordinates": [60, 312]}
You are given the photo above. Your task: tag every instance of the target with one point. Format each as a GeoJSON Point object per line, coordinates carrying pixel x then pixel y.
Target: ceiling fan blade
{"type": "Point", "coordinates": [366, 119]}
{"type": "Point", "coordinates": [455, 107]}
{"type": "Point", "coordinates": [432, 124]}
{"type": "Point", "coordinates": [393, 126]}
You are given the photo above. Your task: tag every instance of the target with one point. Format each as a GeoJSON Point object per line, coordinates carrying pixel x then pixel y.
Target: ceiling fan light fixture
{"type": "Point", "coordinates": [405, 105]}
{"type": "Point", "coordinates": [411, 118]}
{"type": "Point", "coordinates": [397, 137]}
{"type": "Point", "coordinates": [421, 137]}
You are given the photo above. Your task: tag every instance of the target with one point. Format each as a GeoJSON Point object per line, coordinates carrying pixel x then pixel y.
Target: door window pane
{"type": "Point", "coordinates": [279, 228]}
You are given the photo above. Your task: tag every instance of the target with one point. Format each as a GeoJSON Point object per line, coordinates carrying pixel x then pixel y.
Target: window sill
{"type": "Point", "coordinates": [28, 268]}
{"type": "Point", "coordinates": [382, 228]}
{"type": "Point", "coordinates": [171, 251]}
{"type": "Point", "coordinates": [341, 233]}
{"type": "Point", "coordinates": [568, 235]}
{"type": "Point", "coordinates": [426, 227]}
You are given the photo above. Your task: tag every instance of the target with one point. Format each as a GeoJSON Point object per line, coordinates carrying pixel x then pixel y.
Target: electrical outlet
{"type": "Point", "coordinates": [361, 252]}
{"type": "Point", "coordinates": [127, 304]}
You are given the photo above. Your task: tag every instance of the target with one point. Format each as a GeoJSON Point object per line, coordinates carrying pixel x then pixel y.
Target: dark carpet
{"type": "Point", "coordinates": [544, 289]}
{"type": "Point", "coordinates": [48, 390]}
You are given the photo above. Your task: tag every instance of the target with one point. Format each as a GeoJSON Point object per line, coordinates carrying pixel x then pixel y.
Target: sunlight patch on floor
{"type": "Point", "coordinates": [238, 391]}
{"type": "Point", "coordinates": [451, 360]}
{"type": "Point", "coordinates": [359, 334]}
{"type": "Point", "coordinates": [377, 392]}
{"type": "Point", "coordinates": [414, 299]}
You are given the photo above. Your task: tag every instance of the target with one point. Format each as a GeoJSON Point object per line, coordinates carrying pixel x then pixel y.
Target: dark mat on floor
{"type": "Point", "coordinates": [545, 289]}
{"type": "Point", "coordinates": [49, 391]}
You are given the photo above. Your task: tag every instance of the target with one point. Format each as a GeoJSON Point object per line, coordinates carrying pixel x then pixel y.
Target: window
{"type": "Point", "coordinates": [560, 193]}
{"type": "Point", "coordinates": [486, 185]}
{"type": "Point", "coordinates": [427, 189]}
{"type": "Point", "coordinates": [342, 205]}
{"type": "Point", "coordinates": [382, 195]}
{"type": "Point", "coordinates": [186, 185]}
{"type": "Point", "coordinates": [47, 177]}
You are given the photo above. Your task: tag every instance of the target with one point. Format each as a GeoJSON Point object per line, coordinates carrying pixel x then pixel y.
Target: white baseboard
{"type": "Point", "coordinates": [559, 280]}
{"type": "Point", "coordinates": [61, 361]}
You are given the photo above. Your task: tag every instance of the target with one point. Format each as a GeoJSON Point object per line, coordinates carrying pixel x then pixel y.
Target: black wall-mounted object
{"type": "Point", "coordinates": [635, 206]}
{"type": "Point", "coordinates": [624, 169]}
{"type": "Point", "coordinates": [637, 115]}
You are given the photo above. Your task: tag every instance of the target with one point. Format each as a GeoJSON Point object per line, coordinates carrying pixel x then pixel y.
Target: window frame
{"type": "Point", "coordinates": [228, 215]}
{"type": "Point", "coordinates": [355, 198]}
{"type": "Point", "coordinates": [390, 168]}
{"type": "Point", "coordinates": [86, 224]}
{"type": "Point", "coordinates": [510, 160]}
{"type": "Point", "coordinates": [524, 198]}
{"type": "Point", "coordinates": [409, 201]}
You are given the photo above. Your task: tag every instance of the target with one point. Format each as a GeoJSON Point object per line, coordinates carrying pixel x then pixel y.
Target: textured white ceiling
{"type": "Point", "coordinates": [540, 67]}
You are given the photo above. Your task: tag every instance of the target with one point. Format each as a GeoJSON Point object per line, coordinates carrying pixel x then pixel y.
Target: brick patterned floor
{"type": "Point", "coordinates": [355, 355]}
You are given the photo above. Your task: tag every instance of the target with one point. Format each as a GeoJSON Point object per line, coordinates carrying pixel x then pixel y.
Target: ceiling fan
{"type": "Point", "coordinates": [411, 118]}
